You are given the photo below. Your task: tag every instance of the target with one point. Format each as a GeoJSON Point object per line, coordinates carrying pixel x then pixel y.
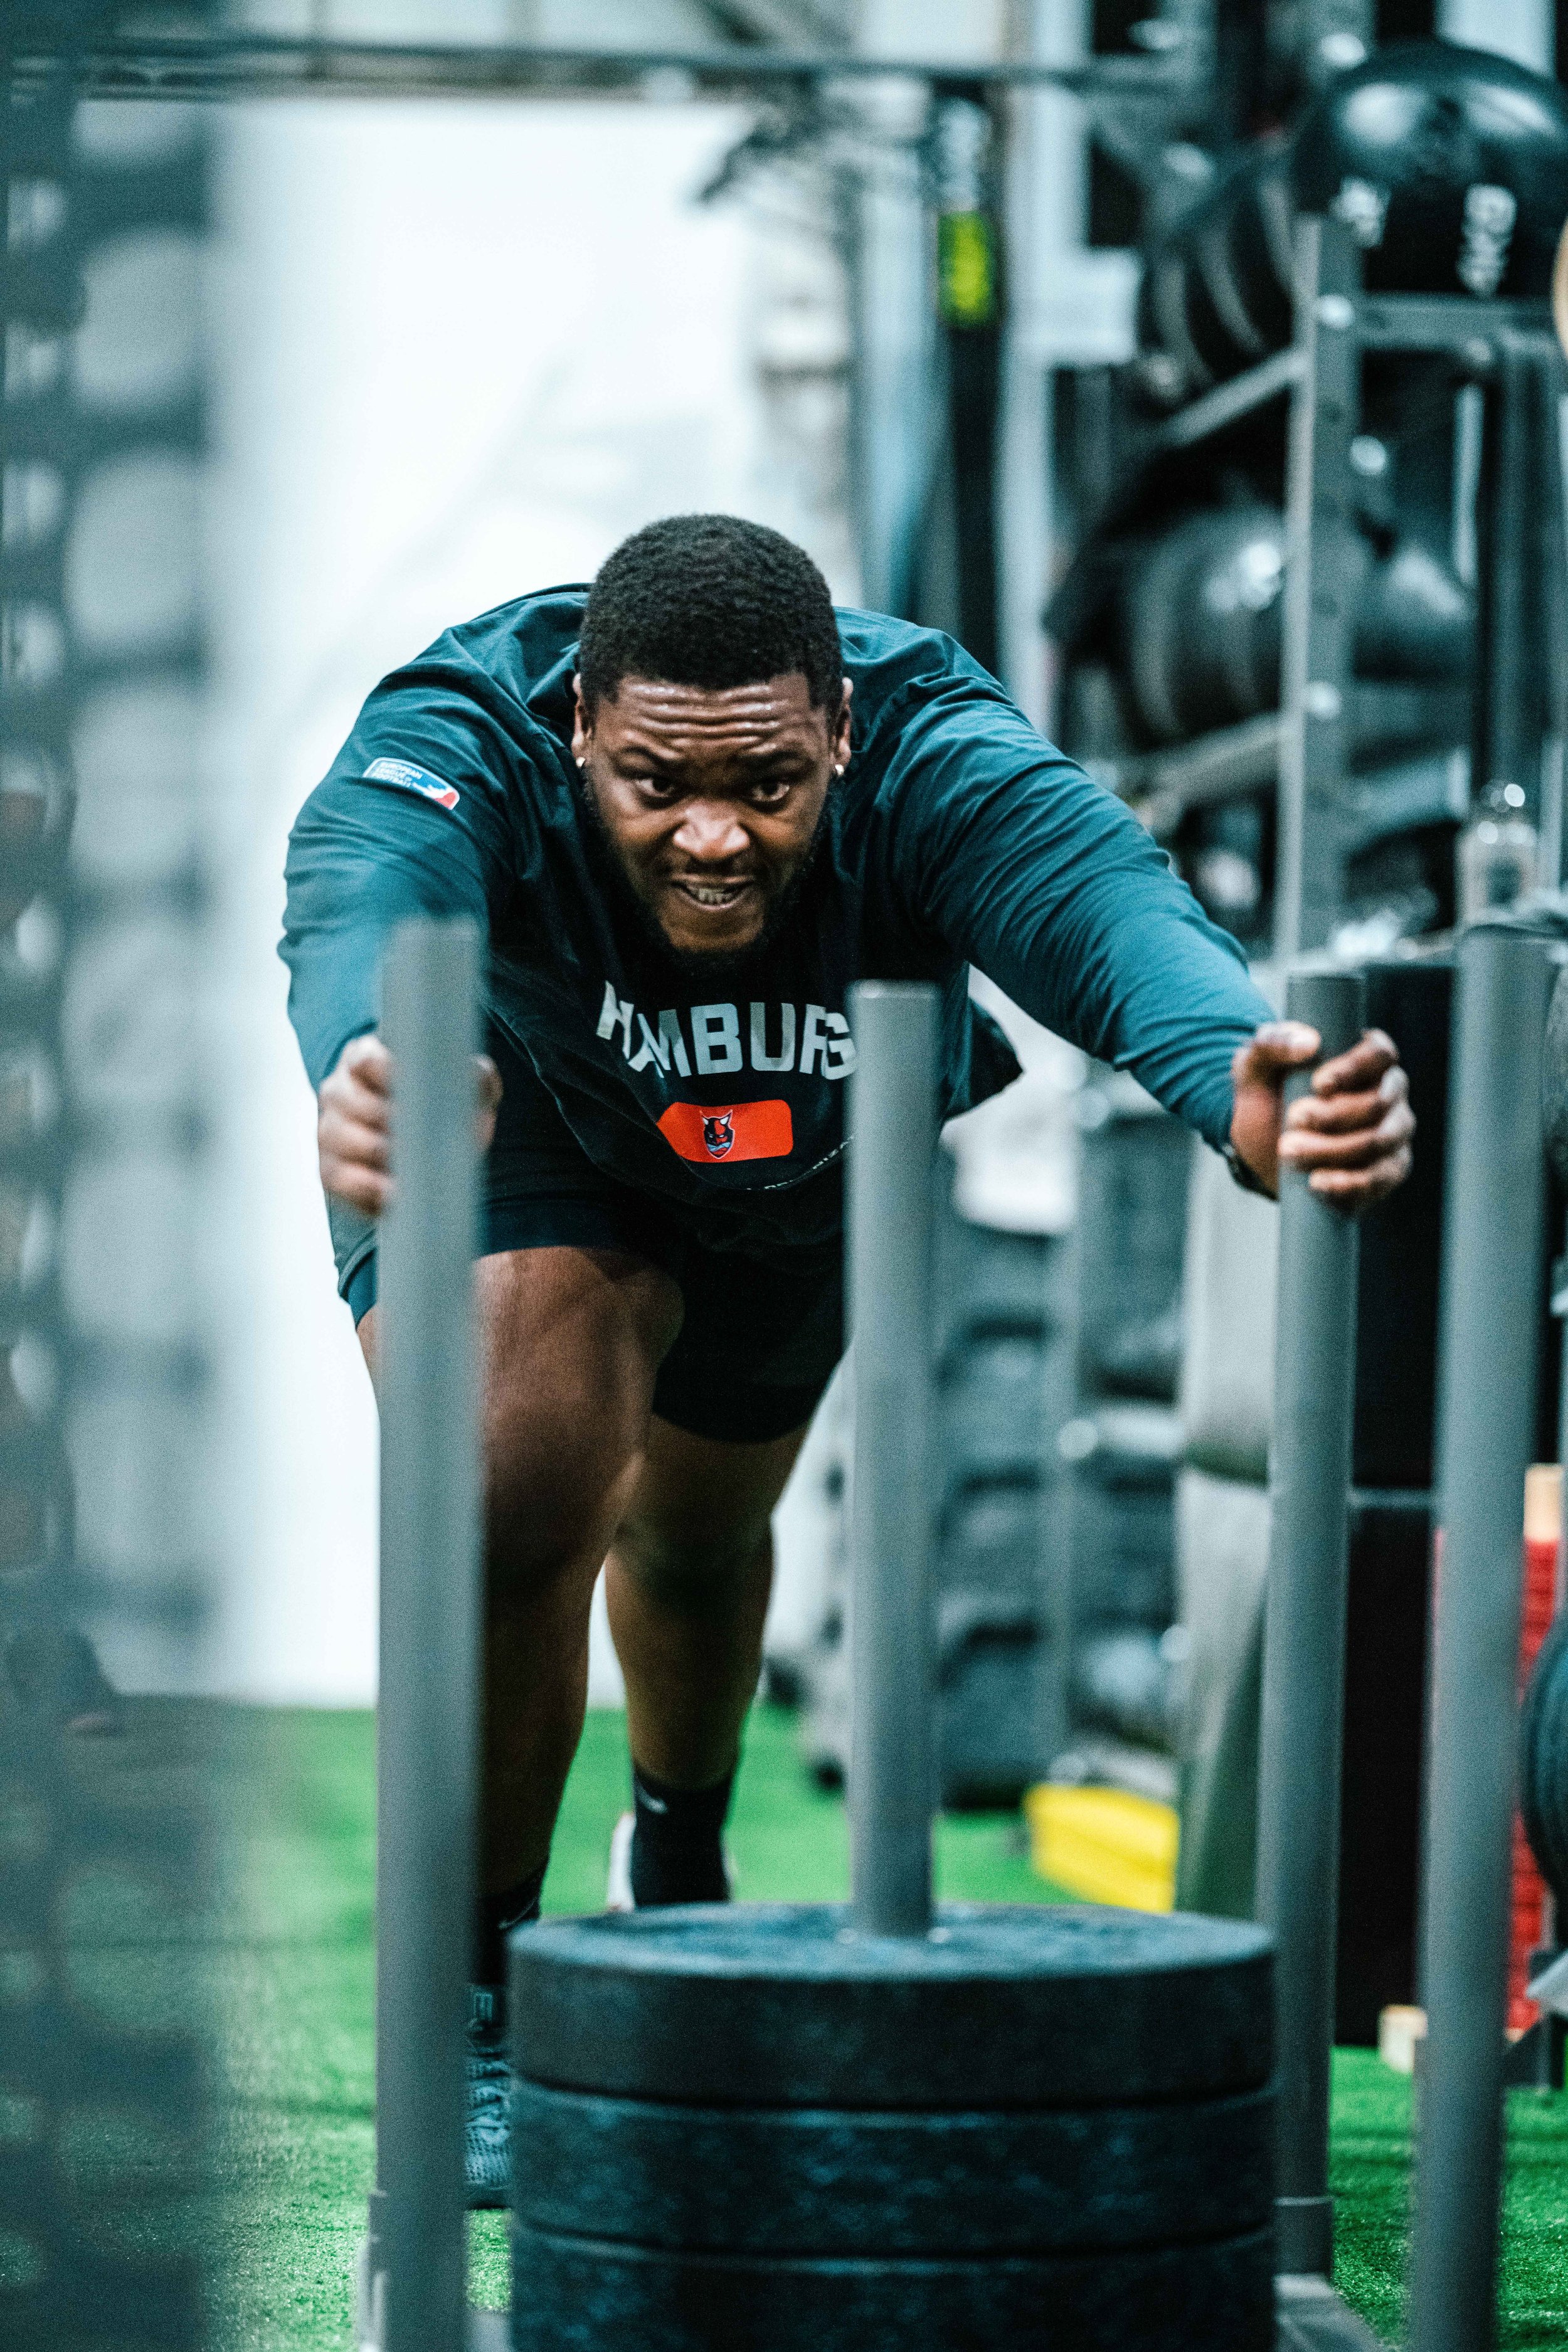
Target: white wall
{"type": "Point", "coordinates": [462, 351]}
{"type": "Point", "coordinates": [1519, 28]}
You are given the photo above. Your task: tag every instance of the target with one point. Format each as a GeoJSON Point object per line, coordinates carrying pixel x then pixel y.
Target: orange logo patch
{"type": "Point", "coordinates": [753, 1130]}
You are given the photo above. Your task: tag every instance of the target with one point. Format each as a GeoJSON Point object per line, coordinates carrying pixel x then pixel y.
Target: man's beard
{"type": "Point", "coordinates": [714, 963]}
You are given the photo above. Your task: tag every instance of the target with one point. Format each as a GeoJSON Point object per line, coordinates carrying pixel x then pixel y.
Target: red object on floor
{"type": "Point", "coordinates": [1543, 1515]}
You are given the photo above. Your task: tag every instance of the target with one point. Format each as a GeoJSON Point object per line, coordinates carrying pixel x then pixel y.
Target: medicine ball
{"type": "Point", "coordinates": [1448, 164]}
{"type": "Point", "coordinates": [1216, 293]}
{"type": "Point", "coordinates": [1416, 620]}
{"type": "Point", "coordinates": [1201, 622]}
{"type": "Point", "coordinates": [1201, 611]}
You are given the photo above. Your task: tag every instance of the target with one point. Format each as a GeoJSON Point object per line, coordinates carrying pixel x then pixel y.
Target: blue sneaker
{"type": "Point", "coordinates": [486, 2140]}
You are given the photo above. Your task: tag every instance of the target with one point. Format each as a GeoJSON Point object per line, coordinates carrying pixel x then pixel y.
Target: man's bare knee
{"type": "Point", "coordinates": [697, 1530]}
{"type": "Point", "coordinates": [690, 1574]}
{"type": "Point", "coordinates": [553, 1496]}
{"type": "Point", "coordinates": [571, 1343]}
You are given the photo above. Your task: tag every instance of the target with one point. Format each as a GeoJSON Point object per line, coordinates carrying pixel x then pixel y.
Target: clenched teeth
{"type": "Point", "coordinates": [713, 894]}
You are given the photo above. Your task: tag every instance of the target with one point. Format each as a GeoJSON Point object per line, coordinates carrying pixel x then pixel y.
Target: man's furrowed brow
{"type": "Point", "coordinates": [645, 751]}
{"type": "Point", "coordinates": [775, 755]}
{"type": "Point", "coordinates": [639, 752]}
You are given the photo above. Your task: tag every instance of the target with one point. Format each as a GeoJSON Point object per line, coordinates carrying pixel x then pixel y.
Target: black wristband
{"type": "Point", "coordinates": [1240, 1173]}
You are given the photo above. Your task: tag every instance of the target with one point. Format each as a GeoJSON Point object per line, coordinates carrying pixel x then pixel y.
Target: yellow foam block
{"type": "Point", "coordinates": [1105, 1844]}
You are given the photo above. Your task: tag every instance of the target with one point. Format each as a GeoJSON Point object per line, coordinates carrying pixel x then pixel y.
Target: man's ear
{"type": "Point", "coordinates": [841, 731]}
{"type": "Point", "coordinates": [582, 727]}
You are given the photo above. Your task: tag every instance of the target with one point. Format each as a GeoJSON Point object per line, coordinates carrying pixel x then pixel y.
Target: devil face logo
{"type": "Point", "coordinates": [719, 1131]}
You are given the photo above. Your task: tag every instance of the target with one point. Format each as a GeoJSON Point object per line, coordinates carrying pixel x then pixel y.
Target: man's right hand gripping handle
{"type": "Point", "coordinates": [353, 1122]}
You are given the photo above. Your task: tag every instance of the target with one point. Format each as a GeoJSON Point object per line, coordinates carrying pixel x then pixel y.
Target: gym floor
{"type": "Point", "coordinates": [287, 1956]}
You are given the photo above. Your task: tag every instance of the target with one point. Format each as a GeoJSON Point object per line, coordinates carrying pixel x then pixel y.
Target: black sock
{"type": "Point", "coordinates": [678, 1855]}
{"type": "Point", "coordinates": [495, 1916]}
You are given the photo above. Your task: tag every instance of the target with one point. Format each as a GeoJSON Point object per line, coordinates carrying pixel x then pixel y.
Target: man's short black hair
{"type": "Point", "coordinates": [709, 599]}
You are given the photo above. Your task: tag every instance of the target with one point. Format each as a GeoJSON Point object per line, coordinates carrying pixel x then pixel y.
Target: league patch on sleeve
{"type": "Point", "coordinates": [412, 779]}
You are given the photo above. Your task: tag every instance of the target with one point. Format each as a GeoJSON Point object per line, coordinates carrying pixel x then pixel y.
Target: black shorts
{"type": "Point", "coordinates": [762, 1332]}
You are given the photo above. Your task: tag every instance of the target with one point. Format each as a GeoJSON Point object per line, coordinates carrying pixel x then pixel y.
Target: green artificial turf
{"type": "Point", "coordinates": [1369, 2176]}
{"type": "Point", "coordinates": [292, 1962]}
{"type": "Point", "coordinates": [297, 1977]}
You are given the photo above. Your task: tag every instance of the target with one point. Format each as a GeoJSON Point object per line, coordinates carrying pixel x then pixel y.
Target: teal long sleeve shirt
{"type": "Point", "coordinates": [958, 835]}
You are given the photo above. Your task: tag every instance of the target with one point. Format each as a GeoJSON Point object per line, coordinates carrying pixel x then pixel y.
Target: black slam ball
{"type": "Point", "coordinates": [1448, 164]}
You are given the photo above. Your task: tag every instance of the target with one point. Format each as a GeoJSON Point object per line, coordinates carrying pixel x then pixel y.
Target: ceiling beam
{"type": "Point", "coordinates": [221, 65]}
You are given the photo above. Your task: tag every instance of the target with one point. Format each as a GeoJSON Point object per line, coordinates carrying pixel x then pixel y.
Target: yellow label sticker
{"type": "Point", "coordinates": [966, 260]}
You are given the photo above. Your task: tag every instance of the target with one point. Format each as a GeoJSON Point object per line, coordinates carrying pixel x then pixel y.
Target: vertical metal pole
{"type": "Point", "coordinates": [894, 421]}
{"type": "Point", "coordinates": [1554, 1921]}
{"type": "Point", "coordinates": [1492, 1273]}
{"type": "Point", "coordinates": [968, 309]}
{"type": "Point", "coordinates": [425, 1768]}
{"type": "Point", "coordinates": [1553, 619]}
{"type": "Point", "coordinates": [1304, 1650]}
{"type": "Point", "coordinates": [1320, 616]}
{"type": "Point", "coordinates": [891, 1754]}
{"type": "Point", "coordinates": [1560, 1310]}
{"type": "Point", "coordinates": [1506, 698]}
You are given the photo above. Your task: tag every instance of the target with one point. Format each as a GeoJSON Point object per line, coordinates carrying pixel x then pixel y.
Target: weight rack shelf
{"type": "Point", "coordinates": [1202, 418]}
{"type": "Point", "coordinates": [1334, 730]}
{"type": "Point", "coordinates": [1392, 725]}
{"type": "Point", "coordinates": [1406, 322]}
{"type": "Point", "coordinates": [1501, 345]}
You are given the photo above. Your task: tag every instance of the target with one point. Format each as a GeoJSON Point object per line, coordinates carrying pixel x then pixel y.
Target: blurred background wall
{"type": "Point", "coordinates": [461, 352]}
{"type": "Point", "coordinates": [456, 352]}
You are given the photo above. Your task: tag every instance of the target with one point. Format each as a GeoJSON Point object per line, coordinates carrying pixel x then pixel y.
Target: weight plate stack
{"type": "Point", "coordinates": [1217, 292]}
{"type": "Point", "coordinates": [752, 2125]}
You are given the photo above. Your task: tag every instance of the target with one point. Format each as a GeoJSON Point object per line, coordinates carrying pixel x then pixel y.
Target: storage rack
{"type": "Point", "coordinates": [1328, 808]}
{"type": "Point", "coordinates": [1507, 348]}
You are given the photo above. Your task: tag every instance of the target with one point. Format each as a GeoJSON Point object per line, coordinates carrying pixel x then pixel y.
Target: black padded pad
{"type": "Point", "coordinates": [582, 2295]}
{"type": "Point", "coordinates": [786, 2005]}
{"type": "Point", "coordinates": [815, 2180]}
